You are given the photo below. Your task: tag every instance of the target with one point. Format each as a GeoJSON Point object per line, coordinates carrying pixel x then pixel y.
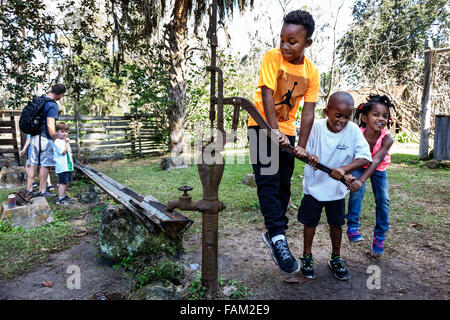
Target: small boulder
{"type": "Point", "coordinates": [8, 162]}
{"type": "Point", "coordinates": [159, 290]}
{"type": "Point", "coordinates": [13, 177]}
{"type": "Point", "coordinates": [229, 290]}
{"type": "Point", "coordinates": [249, 180]}
{"type": "Point", "coordinates": [432, 164]}
{"type": "Point", "coordinates": [91, 196]}
{"type": "Point", "coordinates": [445, 164]}
{"type": "Point", "coordinates": [29, 216]}
{"type": "Point", "coordinates": [122, 235]}
{"type": "Point", "coordinates": [171, 163]}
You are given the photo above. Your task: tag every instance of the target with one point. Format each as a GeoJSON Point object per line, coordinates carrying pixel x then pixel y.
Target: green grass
{"type": "Point", "coordinates": [241, 201]}
{"type": "Point", "coordinates": [419, 202]}
{"type": "Point", "coordinates": [22, 249]}
{"type": "Point", "coordinates": [419, 206]}
{"type": "Point", "coordinates": [418, 194]}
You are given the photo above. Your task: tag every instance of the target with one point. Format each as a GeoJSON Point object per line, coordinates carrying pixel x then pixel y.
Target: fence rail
{"type": "Point", "coordinates": [9, 142]}
{"type": "Point", "coordinates": [133, 134]}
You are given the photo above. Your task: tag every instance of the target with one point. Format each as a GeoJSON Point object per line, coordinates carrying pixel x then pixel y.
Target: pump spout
{"type": "Point", "coordinates": [183, 204]}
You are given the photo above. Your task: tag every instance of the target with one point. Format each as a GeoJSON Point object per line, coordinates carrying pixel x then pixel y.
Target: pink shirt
{"type": "Point", "coordinates": [387, 159]}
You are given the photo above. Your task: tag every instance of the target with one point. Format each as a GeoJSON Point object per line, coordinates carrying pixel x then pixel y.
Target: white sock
{"type": "Point", "coordinates": [278, 237]}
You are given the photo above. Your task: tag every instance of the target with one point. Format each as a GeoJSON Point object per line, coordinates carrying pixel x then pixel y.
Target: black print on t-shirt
{"type": "Point", "coordinates": [342, 147]}
{"type": "Point", "coordinates": [287, 97]}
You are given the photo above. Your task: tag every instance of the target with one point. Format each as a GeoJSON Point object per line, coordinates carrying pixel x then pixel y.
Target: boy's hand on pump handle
{"type": "Point", "coordinates": [312, 159]}
{"type": "Point", "coordinates": [283, 140]}
{"type": "Point", "coordinates": [354, 185]}
{"type": "Point", "coordinates": [337, 173]}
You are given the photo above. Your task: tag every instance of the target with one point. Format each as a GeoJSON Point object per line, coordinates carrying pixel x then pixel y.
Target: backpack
{"type": "Point", "coordinates": [32, 116]}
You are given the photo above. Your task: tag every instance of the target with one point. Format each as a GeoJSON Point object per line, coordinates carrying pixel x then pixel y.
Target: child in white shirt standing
{"type": "Point", "coordinates": [340, 145]}
{"type": "Point", "coordinates": [63, 161]}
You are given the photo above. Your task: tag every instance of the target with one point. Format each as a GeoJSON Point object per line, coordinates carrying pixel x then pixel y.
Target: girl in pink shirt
{"type": "Point", "coordinates": [374, 117]}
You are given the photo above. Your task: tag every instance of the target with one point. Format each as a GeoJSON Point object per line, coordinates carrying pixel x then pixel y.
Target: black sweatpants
{"type": "Point", "coordinates": [273, 182]}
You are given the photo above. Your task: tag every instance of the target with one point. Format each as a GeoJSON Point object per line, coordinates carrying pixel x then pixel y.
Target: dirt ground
{"type": "Point", "coordinates": [420, 272]}
{"type": "Point", "coordinates": [246, 259]}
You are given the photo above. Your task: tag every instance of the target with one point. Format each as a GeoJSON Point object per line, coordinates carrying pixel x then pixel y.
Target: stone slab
{"type": "Point", "coordinates": [14, 177]}
{"type": "Point", "coordinates": [33, 215]}
{"type": "Point", "coordinates": [249, 180]}
{"type": "Point", "coordinates": [172, 163]}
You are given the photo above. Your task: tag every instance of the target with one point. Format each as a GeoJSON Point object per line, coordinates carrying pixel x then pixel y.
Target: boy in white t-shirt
{"type": "Point", "coordinates": [340, 145]}
{"type": "Point", "coordinates": [63, 161]}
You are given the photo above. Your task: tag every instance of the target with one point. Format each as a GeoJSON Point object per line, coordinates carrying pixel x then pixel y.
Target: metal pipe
{"type": "Point", "coordinates": [219, 101]}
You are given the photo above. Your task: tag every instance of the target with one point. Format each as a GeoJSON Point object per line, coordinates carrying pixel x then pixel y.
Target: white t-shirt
{"type": "Point", "coordinates": [63, 163]}
{"type": "Point", "coordinates": [333, 150]}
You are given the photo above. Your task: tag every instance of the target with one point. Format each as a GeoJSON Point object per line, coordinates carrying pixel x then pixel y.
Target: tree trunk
{"type": "Point", "coordinates": [176, 32]}
{"type": "Point", "coordinates": [426, 104]}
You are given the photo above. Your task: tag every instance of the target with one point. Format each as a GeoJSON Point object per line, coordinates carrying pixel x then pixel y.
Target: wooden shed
{"type": "Point", "coordinates": [442, 137]}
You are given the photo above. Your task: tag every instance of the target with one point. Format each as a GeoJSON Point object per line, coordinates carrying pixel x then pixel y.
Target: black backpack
{"type": "Point", "coordinates": [32, 115]}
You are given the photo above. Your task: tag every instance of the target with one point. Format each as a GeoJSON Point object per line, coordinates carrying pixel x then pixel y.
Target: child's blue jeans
{"type": "Point", "coordinates": [379, 181]}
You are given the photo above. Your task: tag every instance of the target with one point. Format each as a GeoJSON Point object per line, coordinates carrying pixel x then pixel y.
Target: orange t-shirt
{"type": "Point", "coordinates": [290, 83]}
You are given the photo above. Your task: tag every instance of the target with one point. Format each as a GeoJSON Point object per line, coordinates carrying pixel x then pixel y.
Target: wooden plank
{"type": "Point", "coordinates": [101, 124]}
{"type": "Point", "coordinates": [7, 130]}
{"type": "Point", "coordinates": [8, 124]}
{"type": "Point", "coordinates": [441, 138]}
{"type": "Point", "coordinates": [101, 148]}
{"type": "Point", "coordinates": [8, 142]}
{"type": "Point", "coordinates": [90, 118]}
{"type": "Point", "coordinates": [440, 50]}
{"type": "Point", "coordinates": [101, 136]}
{"type": "Point", "coordinates": [141, 115]}
{"type": "Point", "coordinates": [105, 143]}
{"type": "Point", "coordinates": [92, 130]}
{"type": "Point", "coordinates": [8, 151]}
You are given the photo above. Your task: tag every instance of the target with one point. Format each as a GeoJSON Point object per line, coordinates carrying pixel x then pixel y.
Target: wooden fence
{"type": "Point", "coordinates": [96, 137]}
{"type": "Point", "coordinates": [9, 142]}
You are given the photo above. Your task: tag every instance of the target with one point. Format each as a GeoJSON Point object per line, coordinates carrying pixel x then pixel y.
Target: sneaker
{"type": "Point", "coordinates": [46, 194]}
{"type": "Point", "coordinates": [34, 185]}
{"type": "Point", "coordinates": [337, 267]}
{"type": "Point", "coordinates": [50, 188]}
{"type": "Point", "coordinates": [282, 255]}
{"type": "Point", "coordinates": [377, 245]}
{"type": "Point", "coordinates": [306, 269]}
{"type": "Point", "coordinates": [64, 201]}
{"type": "Point", "coordinates": [354, 235]}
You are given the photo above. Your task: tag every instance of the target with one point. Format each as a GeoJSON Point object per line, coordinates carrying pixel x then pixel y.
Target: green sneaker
{"type": "Point", "coordinates": [307, 263]}
{"type": "Point", "coordinates": [336, 265]}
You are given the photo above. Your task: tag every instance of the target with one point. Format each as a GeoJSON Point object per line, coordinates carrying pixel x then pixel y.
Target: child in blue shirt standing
{"type": "Point", "coordinates": [63, 161]}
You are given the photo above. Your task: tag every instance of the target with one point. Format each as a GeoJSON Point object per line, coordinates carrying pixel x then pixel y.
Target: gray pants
{"type": "Point", "coordinates": [47, 157]}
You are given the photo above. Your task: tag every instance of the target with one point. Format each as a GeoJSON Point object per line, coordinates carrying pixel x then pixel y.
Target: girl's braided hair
{"type": "Point", "coordinates": [364, 108]}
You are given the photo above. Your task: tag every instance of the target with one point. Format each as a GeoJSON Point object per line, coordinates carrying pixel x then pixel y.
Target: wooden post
{"type": "Point", "coordinates": [16, 143]}
{"type": "Point", "coordinates": [77, 131]}
{"type": "Point", "coordinates": [138, 131]}
{"type": "Point", "coordinates": [426, 103]}
{"type": "Point", "coordinates": [23, 140]}
{"type": "Point", "coordinates": [133, 124]}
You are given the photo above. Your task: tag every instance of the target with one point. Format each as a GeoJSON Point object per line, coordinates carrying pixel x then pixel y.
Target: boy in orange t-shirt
{"type": "Point", "coordinates": [286, 77]}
